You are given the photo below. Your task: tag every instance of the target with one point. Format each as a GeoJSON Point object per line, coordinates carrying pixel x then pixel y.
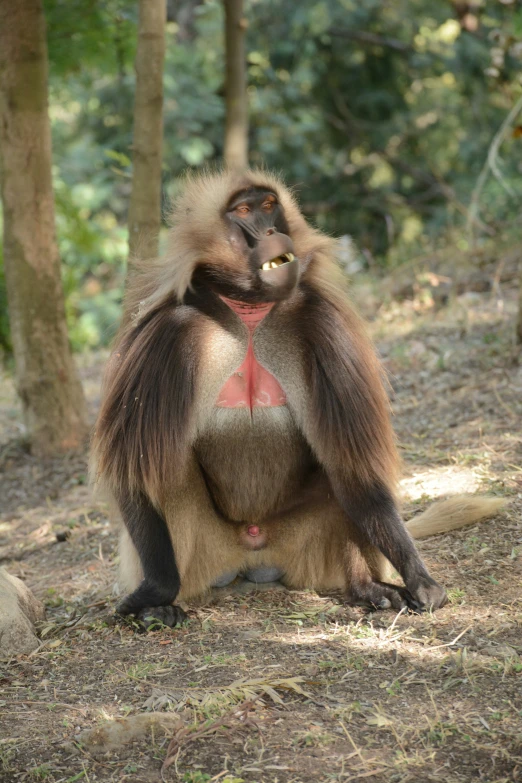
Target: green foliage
{"type": "Point", "coordinates": [385, 111]}
{"type": "Point", "coordinates": [93, 248]}
{"type": "Point", "coordinates": [381, 114]}
{"type": "Point", "coordinates": [86, 36]}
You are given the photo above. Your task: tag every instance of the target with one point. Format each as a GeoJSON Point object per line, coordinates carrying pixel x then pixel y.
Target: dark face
{"type": "Point", "coordinates": [267, 270]}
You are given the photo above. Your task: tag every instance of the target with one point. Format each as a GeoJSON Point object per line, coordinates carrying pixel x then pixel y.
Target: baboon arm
{"type": "Point", "coordinates": [349, 429]}
{"type": "Point", "coordinates": [372, 510]}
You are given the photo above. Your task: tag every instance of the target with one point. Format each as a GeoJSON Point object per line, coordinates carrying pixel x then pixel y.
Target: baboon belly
{"type": "Point", "coordinates": [254, 462]}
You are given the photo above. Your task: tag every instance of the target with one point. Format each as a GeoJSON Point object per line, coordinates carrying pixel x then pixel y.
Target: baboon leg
{"type": "Point", "coordinates": [316, 546]}
{"type": "Point", "coordinates": [368, 572]}
{"type": "Point", "coordinates": [207, 548]}
{"type": "Point", "coordinates": [159, 587]}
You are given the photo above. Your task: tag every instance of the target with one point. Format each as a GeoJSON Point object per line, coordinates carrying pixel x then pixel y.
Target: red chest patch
{"type": "Point", "coordinates": [251, 385]}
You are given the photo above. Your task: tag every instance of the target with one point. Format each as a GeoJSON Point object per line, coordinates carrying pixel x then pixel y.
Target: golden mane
{"type": "Point", "coordinates": [198, 235]}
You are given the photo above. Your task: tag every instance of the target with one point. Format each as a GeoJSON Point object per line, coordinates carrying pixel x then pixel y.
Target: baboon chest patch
{"type": "Point", "coordinates": [251, 385]}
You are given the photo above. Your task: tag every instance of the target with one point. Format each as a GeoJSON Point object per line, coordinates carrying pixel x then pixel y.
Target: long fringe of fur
{"type": "Point", "coordinates": [350, 406]}
{"type": "Point", "coordinates": [198, 236]}
{"type": "Point", "coordinates": [144, 424]}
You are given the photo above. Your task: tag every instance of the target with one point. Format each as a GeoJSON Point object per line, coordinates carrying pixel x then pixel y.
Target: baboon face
{"type": "Point", "coordinates": [258, 232]}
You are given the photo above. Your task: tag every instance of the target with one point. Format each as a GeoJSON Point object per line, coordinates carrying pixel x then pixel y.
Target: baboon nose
{"type": "Point", "coordinates": [270, 231]}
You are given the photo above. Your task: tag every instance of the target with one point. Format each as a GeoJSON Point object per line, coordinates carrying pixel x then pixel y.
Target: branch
{"type": "Point", "coordinates": [372, 39]}
{"type": "Point", "coordinates": [491, 163]}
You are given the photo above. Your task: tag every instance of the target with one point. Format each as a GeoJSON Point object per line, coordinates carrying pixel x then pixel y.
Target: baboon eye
{"type": "Point", "coordinates": [267, 205]}
{"type": "Point", "coordinates": [242, 209]}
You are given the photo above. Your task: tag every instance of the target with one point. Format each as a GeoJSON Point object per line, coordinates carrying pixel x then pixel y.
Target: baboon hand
{"type": "Point", "coordinates": [154, 617]}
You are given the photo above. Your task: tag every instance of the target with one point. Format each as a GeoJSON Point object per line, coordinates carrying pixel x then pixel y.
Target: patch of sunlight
{"type": "Point", "coordinates": [41, 531]}
{"type": "Point", "coordinates": [448, 79]}
{"type": "Point", "coordinates": [382, 174]}
{"type": "Point", "coordinates": [449, 31]}
{"type": "Point", "coordinates": [107, 713]}
{"type": "Point", "coordinates": [411, 228]}
{"type": "Point", "coordinates": [259, 58]}
{"type": "Point", "coordinates": [437, 482]}
{"type": "Point", "coordinates": [5, 526]}
{"type": "Point", "coordinates": [425, 120]}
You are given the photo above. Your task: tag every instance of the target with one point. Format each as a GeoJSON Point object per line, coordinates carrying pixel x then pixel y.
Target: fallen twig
{"type": "Point", "coordinates": [454, 641]}
{"type": "Point", "coordinates": [189, 734]}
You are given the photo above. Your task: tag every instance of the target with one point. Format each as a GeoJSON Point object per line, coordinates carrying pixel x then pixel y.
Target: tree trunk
{"type": "Point", "coordinates": [46, 378]}
{"type": "Point", "coordinates": [145, 203]}
{"type": "Point", "coordinates": [236, 126]}
{"type": "Point", "coordinates": [519, 321]}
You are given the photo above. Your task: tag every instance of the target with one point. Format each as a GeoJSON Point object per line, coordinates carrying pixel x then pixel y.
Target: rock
{"type": "Point", "coordinates": [19, 609]}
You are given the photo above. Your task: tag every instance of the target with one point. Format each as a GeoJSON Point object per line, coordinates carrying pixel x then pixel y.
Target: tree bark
{"type": "Point", "coordinates": [46, 378]}
{"type": "Point", "coordinates": [236, 125]}
{"type": "Point", "coordinates": [519, 320]}
{"type": "Point", "coordinates": [145, 203]}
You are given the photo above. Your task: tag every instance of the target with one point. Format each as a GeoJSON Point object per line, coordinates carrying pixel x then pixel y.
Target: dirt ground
{"type": "Point", "coordinates": [277, 686]}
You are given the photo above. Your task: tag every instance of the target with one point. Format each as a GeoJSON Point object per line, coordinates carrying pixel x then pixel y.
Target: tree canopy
{"type": "Point", "coordinates": [380, 114]}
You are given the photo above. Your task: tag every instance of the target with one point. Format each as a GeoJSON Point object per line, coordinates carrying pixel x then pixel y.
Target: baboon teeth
{"type": "Point", "coordinates": [275, 262]}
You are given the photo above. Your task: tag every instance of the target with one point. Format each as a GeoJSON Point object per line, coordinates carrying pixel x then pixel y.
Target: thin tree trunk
{"type": "Point", "coordinates": [519, 321]}
{"type": "Point", "coordinates": [236, 126]}
{"type": "Point", "coordinates": [145, 204]}
{"type": "Point", "coordinates": [46, 377]}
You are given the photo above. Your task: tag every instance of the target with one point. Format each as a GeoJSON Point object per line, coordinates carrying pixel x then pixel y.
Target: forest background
{"type": "Point", "coordinates": [382, 114]}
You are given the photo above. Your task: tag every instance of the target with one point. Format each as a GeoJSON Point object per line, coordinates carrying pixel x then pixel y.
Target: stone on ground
{"type": "Point", "coordinates": [19, 610]}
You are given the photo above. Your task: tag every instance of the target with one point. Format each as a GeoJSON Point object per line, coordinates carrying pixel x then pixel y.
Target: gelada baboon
{"type": "Point", "coordinates": [245, 426]}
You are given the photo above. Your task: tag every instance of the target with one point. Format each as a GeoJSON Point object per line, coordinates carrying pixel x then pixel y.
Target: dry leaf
{"type": "Point", "coordinates": [379, 720]}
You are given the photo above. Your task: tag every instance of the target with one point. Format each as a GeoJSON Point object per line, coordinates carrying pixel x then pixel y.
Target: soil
{"type": "Point", "coordinates": [277, 686]}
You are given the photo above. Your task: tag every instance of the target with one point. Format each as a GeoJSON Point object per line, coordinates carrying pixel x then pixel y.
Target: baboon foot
{"type": "Point", "coordinates": [153, 618]}
{"type": "Point", "coordinates": [380, 595]}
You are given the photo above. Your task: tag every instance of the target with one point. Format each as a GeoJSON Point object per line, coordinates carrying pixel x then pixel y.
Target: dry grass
{"type": "Point", "coordinates": [282, 687]}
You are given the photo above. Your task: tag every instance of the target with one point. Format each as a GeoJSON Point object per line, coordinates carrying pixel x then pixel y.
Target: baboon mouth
{"type": "Point", "coordinates": [285, 258]}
